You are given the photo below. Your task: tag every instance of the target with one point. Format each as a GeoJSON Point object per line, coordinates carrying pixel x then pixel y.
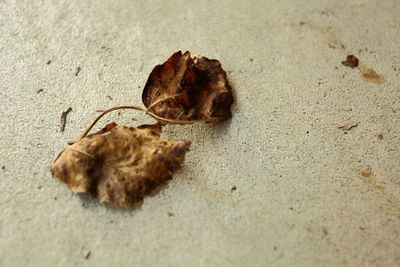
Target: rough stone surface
{"type": "Point", "coordinates": [307, 193]}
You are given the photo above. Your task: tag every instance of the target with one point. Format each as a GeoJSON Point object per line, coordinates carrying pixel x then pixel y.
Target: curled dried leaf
{"type": "Point", "coordinates": [120, 165]}
{"type": "Point", "coordinates": [351, 61]}
{"type": "Point", "coordinates": [186, 89]}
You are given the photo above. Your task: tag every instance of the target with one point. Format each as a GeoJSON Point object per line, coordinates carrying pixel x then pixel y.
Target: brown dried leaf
{"type": "Point", "coordinates": [121, 166]}
{"type": "Point", "coordinates": [351, 61]}
{"type": "Point", "coordinates": [188, 89]}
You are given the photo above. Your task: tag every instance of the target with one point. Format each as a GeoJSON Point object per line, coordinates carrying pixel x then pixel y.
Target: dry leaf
{"type": "Point", "coordinates": [351, 61]}
{"type": "Point", "coordinates": [120, 165]}
{"type": "Point", "coordinates": [188, 89]}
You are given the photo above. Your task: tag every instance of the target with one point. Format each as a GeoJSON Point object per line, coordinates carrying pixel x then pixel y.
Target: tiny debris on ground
{"type": "Point", "coordinates": [78, 69]}
{"type": "Point", "coordinates": [85, 252]}
{"type": "Point", "coordinates": [233, 188]}
{"type": "Point", "coordinates": [351, 61]}
{"type": "Point", "coordinates": [348, 126]}
{"type": "Point", "coordinates": [109, 97]}
{"type": "Point", "coordinates": [380, 136]}
{"type": "Point", "coordinates": [365, 173]}
{"type": "Point", "coordinates": [38, 91]}
{"type": "Point", "coordinates": [64, 118]}
{"type": "Point", "coordinates": [48, 62]}
{"type": "Point", "coordinates": [87, 255]}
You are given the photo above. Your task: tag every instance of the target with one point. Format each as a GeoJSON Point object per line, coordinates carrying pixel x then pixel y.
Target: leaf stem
{"type": "Point", "coordinates": [135, 108]}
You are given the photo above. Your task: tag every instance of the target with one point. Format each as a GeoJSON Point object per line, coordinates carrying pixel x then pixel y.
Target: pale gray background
{"type": "Point", "coordinates": [300, 198]}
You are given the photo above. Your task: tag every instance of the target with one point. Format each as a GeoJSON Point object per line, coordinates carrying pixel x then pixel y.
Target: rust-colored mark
{"type": "Point", "coordinates": [370, 75]}
{"type": "Point", "coordinates": [380, 136]}
{"type": "Point", "coordinates": [109, 97]}
{"type": "Point", "coordinates": [366, 173]}
{"type": "Point", "coordinates": [379, 189]}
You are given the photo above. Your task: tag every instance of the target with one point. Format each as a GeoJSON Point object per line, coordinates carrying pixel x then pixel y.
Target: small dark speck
{"type": "Point", "coordinates": [233, 188]}
{"type": "Point", "coordinates": [362, 228]}
{"type": "Point", "coordinates": [87, 255]}
{"type": "Point", "coordinates": [308, 132]}
{"type": "Point", "coordinates": [39, 187]}
{"type": "Point", "coordinates": [275, 248]}
{"type": "Point", "coordinates": [170, 214]}
{"type": "Point", "coordinates": [78, 69]}
{"type": "Point", "coordinates": [3, 168]}
{"type": "Point", "coordinates": [111, 221]}
{"type": "Point", "coordinates": [251, 60]}
{"type": "Point", "coordinates": [291, 208]}
{"type": "Point", "coordinates": [48, 62]}
{"type": "Point", "coordinates": [325, 231]}
{"type": "Point", "coordinates": [55, 198]}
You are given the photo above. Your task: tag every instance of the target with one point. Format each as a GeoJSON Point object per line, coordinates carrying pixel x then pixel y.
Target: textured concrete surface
{"type": "Point", "coordinates": [307, 193]}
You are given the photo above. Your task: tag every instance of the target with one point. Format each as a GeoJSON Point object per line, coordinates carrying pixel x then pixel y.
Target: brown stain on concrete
{"type": "Point", "coordinates": [370, 180]}
{"type": "Point", "coordinates": [326, 32]}
{"type": "Point", "coordinates": [370, 75]}
{"type": "Point", "coordinates": [365, 174]}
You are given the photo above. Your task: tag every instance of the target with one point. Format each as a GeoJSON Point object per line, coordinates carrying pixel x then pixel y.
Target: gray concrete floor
{"type": "Point", "coordinates": [307, 193]}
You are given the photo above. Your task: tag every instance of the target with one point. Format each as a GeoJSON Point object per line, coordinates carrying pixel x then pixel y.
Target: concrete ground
{"type": "Point", "coordinates": [307, 192]}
